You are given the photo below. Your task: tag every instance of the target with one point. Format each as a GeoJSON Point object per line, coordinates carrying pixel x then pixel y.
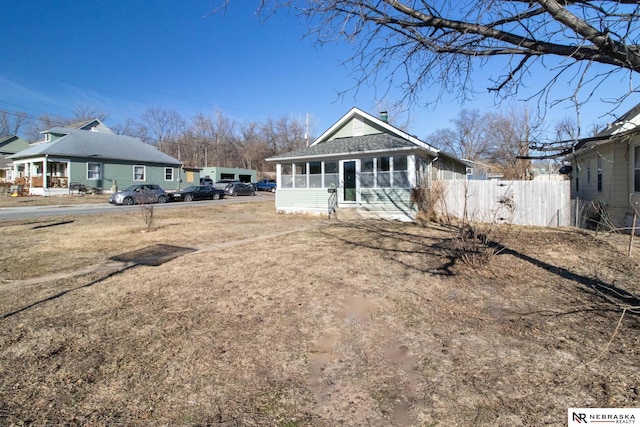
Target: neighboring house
{"type": "Point", "coordinates": [90, 154]}
{"type": "Point", "coordinates": [9, 145]}
{"type": "Point", "coordinates": [218, 173]}
{"type": "Point", "coordinates": [605, 169]}
{"type": "Point", "coordinates": [361, 162]}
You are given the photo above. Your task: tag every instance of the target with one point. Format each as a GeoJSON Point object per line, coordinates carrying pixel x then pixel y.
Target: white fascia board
{"type": "Point", "coordinates": [344, 154]}
{"type": "Point", "coordinates": [381, 123]}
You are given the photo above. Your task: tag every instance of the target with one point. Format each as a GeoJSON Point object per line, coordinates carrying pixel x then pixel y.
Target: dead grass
{"type": "Point", "coordinates": [291, 321]}
{"type": "Point", "coordinates": [15, 202]}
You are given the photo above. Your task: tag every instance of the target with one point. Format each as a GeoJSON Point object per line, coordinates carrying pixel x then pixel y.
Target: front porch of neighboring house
{"type": "Point", "coordinates": [42, 177]}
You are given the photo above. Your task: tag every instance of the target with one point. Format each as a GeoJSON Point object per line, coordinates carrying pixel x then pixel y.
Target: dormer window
{"type": "Point", "coordinates": [47, 137]}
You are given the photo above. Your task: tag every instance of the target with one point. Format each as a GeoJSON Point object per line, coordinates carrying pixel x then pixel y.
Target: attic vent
{"type": "Point", "coordinates": [358, 126]}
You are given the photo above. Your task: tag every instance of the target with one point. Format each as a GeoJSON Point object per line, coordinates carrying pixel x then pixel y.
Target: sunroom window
{"type": "Point", "coordinates": [367, 176]}
{"type": "Point", "coordinates": [331, 174]}
{"type": "Point", "coordinates": [400, 172]}
{"type": "Point", "coordinates": [383, 176]}
{"type": "Point", "coordinates": [300, 175]}
{"type": "Point", "coordinates": [315, 174]}
{"type": "Point", "coordinates": [287, 176]}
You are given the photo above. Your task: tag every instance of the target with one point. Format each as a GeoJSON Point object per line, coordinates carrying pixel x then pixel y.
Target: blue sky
{"type": "Point", "coordinates": [124, 56]}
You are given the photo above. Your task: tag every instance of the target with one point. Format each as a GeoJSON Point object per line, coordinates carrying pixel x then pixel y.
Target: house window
{"type": "Point", "coordinates": [168, 174]}
{"type": "Point", "coordinates": [286, 176]}
{"type": "Point", "coordinates": [94, 171]}
{"type": "Point", "coordinates": [588, 171]}
{"type": "Point", "coordinates": [139, 172]}
{"type": "Point", "coordinates": [383, 175]}
{"type": "Point", "coordinates": [331, 174]}
{"type": "Point", "coordinates": [400, 173]}
{"type": "Point", "coordinates": [636, 169]}
{"type": "Point", "coordinates": [599, 165]}
{"type": "Point", "coordinates": [367, 176]}
{"type": "Point", "coordinates": [315, 174]}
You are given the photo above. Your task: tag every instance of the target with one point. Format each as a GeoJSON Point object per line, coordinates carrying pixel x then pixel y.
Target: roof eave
{"type": "Point", "coordinates": [342, 154]}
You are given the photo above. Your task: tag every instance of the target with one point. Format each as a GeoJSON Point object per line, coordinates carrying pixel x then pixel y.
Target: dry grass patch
{"type": "Point", "coordinates": [287, 320]}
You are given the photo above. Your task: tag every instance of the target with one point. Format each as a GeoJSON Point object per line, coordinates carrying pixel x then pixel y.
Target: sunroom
{"type": "Point", "coordinates": [361, 162]}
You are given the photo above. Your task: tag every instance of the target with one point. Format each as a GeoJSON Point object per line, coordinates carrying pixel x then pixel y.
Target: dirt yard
{"type": "Point", "coordinates": [237, 316]}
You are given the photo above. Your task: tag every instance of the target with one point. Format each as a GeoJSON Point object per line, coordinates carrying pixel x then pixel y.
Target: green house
{"type": "Point", "coordinates": [9, 145]}
{"type": "Point", "coordinates": [364, 163]}
{"type": "Point", "coordinates": [90, 154]}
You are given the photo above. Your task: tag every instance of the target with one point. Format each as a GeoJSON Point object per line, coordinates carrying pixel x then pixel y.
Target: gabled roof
{"type": "Point", "coordinates": [96, 145]}
{"type": "Point", "coordinates": [12, 144]}
{"type": "Point", "coordinates": [93, 124]}
{"type": "Point", "coordinates": [388, 139]}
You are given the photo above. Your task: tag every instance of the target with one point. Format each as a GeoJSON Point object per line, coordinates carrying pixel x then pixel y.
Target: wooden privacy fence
{"type": "Point", "coordinates": [538, 203]}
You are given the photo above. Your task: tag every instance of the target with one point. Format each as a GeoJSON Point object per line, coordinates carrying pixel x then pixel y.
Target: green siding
{"type": "Point", "coordinates": [386, 199]}
{"type": "Point", "coordinates": [355, 127]}
{"type": "Point", "coordinates": [15, 146]}
{"type": "Point", "coordinates": [307, 198]}
{"type": "Point", "coordinates": [122, 173]}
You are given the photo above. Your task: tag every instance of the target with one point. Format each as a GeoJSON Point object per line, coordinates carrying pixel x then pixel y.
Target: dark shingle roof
{"type": "Point", "coordinates": [356, 144]}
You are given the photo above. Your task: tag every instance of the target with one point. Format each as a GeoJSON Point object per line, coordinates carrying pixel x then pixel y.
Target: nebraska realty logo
{"type": "Point", "coordinates": [603, 416]}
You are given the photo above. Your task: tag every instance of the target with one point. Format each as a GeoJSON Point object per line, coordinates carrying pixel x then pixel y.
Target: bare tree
{"type": "Point", "coordinates": [284, 134]}
{"type": "Point", "coordinates": [130, 127]}
{"type": "Point", "coordinates": [438, 43]}
{"type": "Point", "coordinates": [83, 113]}
{"type": "Point", "coordinates": [163, 128]}
{"type": "Point", "coordinates": [509, 132]}
{"type": "Point", "coordinates": [12, 122]}
{"type": "Point", "coordinates": [467, 139]}
{"type": "Point", "coordinates": [254, 148]}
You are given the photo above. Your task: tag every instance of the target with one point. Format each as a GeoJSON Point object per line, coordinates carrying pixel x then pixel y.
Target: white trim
{"type": "Point", "coordinates": [99, 171]}
{"type": "Point", "coordinates": [344, 155]}
{"type": "Point", "coordinates": [144, 173]}
{"type": "Point", "coordinates": [392, 129]}
{"type": "Point", "coordinates": [173, 174]}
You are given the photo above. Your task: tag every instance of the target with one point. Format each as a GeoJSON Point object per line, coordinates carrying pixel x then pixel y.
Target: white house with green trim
{"type": "Point", "coordinates": [91, 155]}
{"type": "Point", "coordinates": [361, 162]}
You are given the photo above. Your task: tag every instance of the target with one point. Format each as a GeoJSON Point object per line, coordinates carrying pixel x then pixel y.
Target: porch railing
{"type": "Point", "coordinates": [57, 181]}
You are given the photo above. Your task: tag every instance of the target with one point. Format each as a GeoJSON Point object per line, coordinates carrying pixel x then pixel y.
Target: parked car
{"type": "Point", "coordinates": [139, 193]}
{"type": "Point", "coordinates": [239, 189]}
{"type": "Point", "coordinates": [221, 184]}
{"type": "Point", "coordinates": [266, 184]}
{"type": "Point", "coordinates": [206, 181]}
{"type": "Point", "coordinates": [196, 192]}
